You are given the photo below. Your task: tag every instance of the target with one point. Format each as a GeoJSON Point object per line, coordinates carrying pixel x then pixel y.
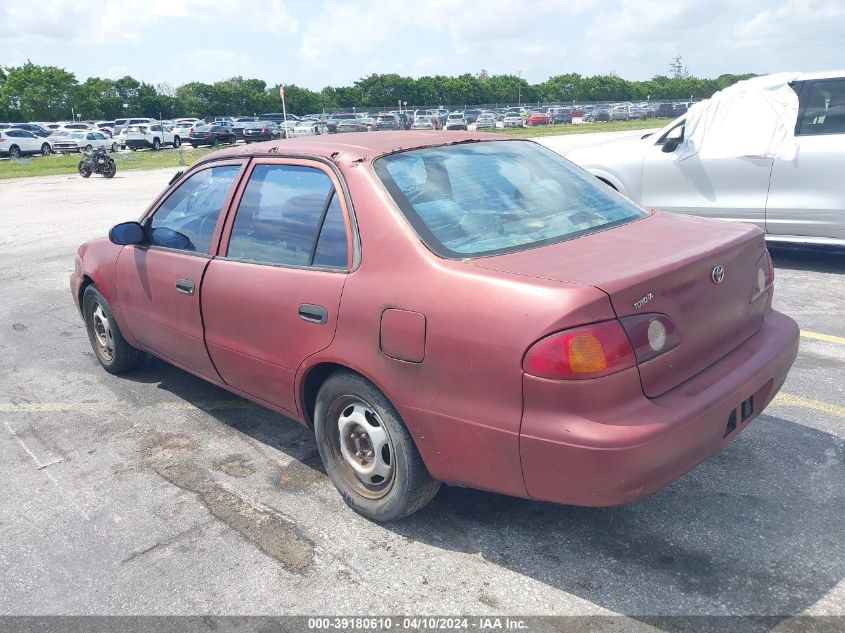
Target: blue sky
{"type": "Point", "coordinates": [319, 43]}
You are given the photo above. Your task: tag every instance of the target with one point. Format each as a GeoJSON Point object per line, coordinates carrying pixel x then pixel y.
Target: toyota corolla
{"type": "Point", "coordinates": [448, 308]}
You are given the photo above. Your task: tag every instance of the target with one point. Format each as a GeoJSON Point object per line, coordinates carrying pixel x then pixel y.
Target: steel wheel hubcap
{"type": "Point", "coordinates": [365, 445]}
{"type": "Point", "coordinates": [102, 332]}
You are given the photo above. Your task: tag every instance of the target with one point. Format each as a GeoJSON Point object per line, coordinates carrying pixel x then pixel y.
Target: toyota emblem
{"type": "Point", "coordinates": [718, 275]}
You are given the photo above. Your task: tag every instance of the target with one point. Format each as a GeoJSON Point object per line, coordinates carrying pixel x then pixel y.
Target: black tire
{"type": "Point", "coordinates": [84, 169]}
{"type": "Point", "coordinates": [134, 149]}
{"type": "Point", "coordinates": [410, 486]}
{"type": "Point", "coordinates": [113, 148]}
{"type": "Point", "coordinates": [46, 150]}
{"type": "Point", "coordinates": [123, 357]}
{"type": "Point", "coordinates": [110, 169]}
{"type": "Point", "coordinates": [156, 145]}
{"type": "Point", "coordinates": [215, 142]}
{"type": "Point", "coordinates": [89, 148]}
{"type": "Point", "coordinates": [233, 139]}
{"type": "Point", "coordinates": [15, 151]}
{"type": "Point", "coordinates": [176, 142]}
{"type": "Point", "coordinates": [194, 145]}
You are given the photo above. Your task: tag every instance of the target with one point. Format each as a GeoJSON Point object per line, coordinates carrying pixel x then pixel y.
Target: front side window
{"type": "Point", "coordinates": [186, 219]}
{"type": "Point", "coordinates": [824, 109]}
{"type": "Point", "coordinates": [282, 212]}
{"type": "Point", "coordinates": [485, 198]}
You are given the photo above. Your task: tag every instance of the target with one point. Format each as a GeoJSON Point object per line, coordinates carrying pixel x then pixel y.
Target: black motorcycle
{"type": "Point", "coordinates": [97, 161]}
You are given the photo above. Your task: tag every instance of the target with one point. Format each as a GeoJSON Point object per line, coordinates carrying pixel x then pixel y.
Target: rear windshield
{"type": "Point", "coordinates": [486, 198]}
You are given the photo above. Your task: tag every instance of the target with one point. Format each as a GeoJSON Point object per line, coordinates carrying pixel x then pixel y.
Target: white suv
{"type": "Point", "coordinates": [152, 135]}
{"type": "Point", "coordinates": [16, 143]}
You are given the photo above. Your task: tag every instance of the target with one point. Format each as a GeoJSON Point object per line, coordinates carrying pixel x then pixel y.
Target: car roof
{"type": "Point", "coordinates": [354, 146]}
{"type": "Point", "coordinates": [826, 74]}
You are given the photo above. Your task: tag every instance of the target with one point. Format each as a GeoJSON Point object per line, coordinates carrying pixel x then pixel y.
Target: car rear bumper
{"type": "Point", "coordinates": [605, 444]}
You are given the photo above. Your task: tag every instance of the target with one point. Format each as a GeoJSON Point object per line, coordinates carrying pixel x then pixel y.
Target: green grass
{"type": "Point", "coordinates": [58, 164]}
{"type": "Point", "coordinates": [584, 128]}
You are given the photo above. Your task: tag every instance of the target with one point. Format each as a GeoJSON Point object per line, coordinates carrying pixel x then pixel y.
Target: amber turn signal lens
{"type": "Point", "coordinates": [586, 354]}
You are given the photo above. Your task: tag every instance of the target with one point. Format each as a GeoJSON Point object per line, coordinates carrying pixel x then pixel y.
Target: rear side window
{"type": "Point", "coordinates": [824, 108]}
{"type": "Point", "coordinates": [289, 216]}
{"type": "Point", "coordinates": [485, 198]}
{"type": "Point", "coordinates": [186, 219]}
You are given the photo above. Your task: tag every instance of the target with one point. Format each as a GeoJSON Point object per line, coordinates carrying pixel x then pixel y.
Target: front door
{"type": "Point", "coordinates": [159, 281]}
{"type": "Point", "coordinates": [272, 298]}
{"type": "Point", "coordinates": [731, 188]}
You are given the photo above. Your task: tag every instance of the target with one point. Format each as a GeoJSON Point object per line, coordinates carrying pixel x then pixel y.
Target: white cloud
{"type": "Point", "coordinates": [802, 22]}
{"type": "Point", "coordinates": [219, 63]}
{"type": "Point", "coordinates": [135, 20]}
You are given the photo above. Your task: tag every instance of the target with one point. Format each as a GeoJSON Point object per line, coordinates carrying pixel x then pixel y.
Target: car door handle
{"type": "Point", "coordinates": [313, 314]}
{"type": "Point", "coordinates": [185, 286]}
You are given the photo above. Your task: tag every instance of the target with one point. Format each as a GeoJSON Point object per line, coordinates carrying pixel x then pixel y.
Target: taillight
{"type": "Point", "coordinates": [588, 351]}
{"type": "Point", "coordinates": [764, 276]}
{"type": "Point", "coordinates": [651, 335]}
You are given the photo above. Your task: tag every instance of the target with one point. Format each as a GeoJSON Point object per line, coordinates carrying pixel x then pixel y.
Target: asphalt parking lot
{"type": "Point", "coordinates": [158, 493]}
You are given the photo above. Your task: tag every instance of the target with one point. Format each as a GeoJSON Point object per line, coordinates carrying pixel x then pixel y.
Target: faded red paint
{"type": "Point", "coordinates": [476, 417]}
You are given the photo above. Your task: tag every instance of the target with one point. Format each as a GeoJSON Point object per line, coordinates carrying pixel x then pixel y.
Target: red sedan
{"type": "Point", "coordinates": [537, 118]}
{"type": "Point", "coordinates": [448, 308]}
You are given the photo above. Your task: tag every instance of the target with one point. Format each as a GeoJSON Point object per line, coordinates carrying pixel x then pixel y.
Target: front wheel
{"type": "Point", "coordinates": [156, 145]}
{"type": "Point", "coordinates": [111, 349]}
{"type": "Point", "coordinates": [109, 169]}
{"type": "Point", "coordinates": [84, 169]}
{"type": "Point", "coordinates": [176, 142]}
{"type": "Point", "coordinates": [113, 148]}
{"type": "Point", "coordinates": [89, 148]}
{"type": "Point", "coordinates": [233, 139]}
{"type": "Point", "coordinates": [368, 453]}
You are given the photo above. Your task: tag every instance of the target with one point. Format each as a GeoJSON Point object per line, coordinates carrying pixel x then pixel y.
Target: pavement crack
{"type": "Point", "coordinates": [273, 533]}
{"type": "Point", "coordinates": [165, 543]}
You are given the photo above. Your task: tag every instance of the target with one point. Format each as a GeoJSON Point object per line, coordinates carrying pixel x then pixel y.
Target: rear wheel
{"type": "Point", "coordinates": [176, 142]}
{"type": "Point", "coordinates": [113, 148]}
{"type": "Point", "coordinates": [45, 149]}
{"type": "Point", "coordinates": [215, 142]}
{"type": "Point", "coordinates": [15, 151]}
{"type": "Point", "coordinates": [111, 349]}
{"type": "Point", "coordinates": [368, 453]}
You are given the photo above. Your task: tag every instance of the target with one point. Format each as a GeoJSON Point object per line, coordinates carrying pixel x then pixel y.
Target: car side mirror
{"type": "Point", "coordinates": [670, 145]}
{"type": "Point", "coordinates": [127, 233]}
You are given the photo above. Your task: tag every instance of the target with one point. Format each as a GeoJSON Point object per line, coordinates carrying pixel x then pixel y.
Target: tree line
{"type": "Point", "coordinates": [47, 93]}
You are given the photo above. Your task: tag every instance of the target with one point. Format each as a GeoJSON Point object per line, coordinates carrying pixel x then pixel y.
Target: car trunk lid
{"type": "Point", "coordinates": [664, 264]}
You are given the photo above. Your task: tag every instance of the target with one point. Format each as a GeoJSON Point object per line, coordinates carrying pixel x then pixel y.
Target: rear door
{"type": "Point", "coordinates": [725, 188]}
{"type": "Point", "coordinates": [271, 298]}
{"type": "Point", "coordinates": [807, 198]}
{"type": "Point", "coordinates": [159, 281]}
